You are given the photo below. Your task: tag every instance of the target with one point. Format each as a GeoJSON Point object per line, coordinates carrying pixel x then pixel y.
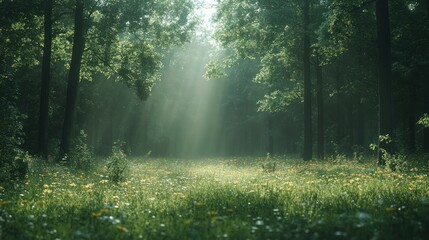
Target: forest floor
{"type": "Point", "coordinates": [233, 198]}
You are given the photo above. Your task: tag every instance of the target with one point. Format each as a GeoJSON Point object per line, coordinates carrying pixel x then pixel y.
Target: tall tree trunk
{"type": "Point", "coordinates": [352, 124]}
{"type": "Point", "coordinates": [426, 129]}
{"type": "Point", "coordinates": [360, 125]}
{"type": "Point", "coordinates": [411, 116]}
{"type": "Point", "coordinates": [270, 146]}
{"type": "Point", "coordinates": [46, 78]}
{"type": "Point", "coordinates": [339, 99]}
{"type": "Point", "coordinates": [427, 8]}
{"type": "Point", "coordinates": [320, 112]}
{"type": "Point", "coordinates": [307, 154]}
{"type": "Point", "coordinates": [73, 77]}
{"type": "Point", "coordinates": [384, 77]}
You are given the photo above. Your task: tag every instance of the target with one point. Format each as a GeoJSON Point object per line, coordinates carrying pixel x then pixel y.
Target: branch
{"type": "Point", "coordinates": [92, 10]}
{"type": "Point", "coordinates": [104, 61]}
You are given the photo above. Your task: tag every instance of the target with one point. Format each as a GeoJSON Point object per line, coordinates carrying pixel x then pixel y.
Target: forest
{"type": "Point", "coordinates": [214, 119]}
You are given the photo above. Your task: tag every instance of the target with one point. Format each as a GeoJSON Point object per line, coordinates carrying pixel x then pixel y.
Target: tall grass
{"type": "Point", "coordinates": [220, 199]}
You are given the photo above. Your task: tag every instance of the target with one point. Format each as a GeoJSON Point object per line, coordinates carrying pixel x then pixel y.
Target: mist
{"type": "Point", "coordinates": [186, 115]}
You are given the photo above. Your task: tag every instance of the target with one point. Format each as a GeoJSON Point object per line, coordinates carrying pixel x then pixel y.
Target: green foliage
{"type": "Point", "coordinates": [126, 40]}
{"type": "Point", "coordinates": [13, 161]}
{"type": "Point", "coordinates": [394, 161]}
{"type": "Point", "coordinates": [424, 120]}
{"type": "Point", "coordinates": [15, 169]}
{"type": "Point", "coordinates": [81, 156]}
{"type": "Point", "coordinates": [269, 166]}
{"type": "Point", "coordinates": [117, 164]}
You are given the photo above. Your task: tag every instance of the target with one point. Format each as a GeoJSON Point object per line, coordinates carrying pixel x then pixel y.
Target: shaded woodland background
{"type": "Point", "coordinates": [286, 77]}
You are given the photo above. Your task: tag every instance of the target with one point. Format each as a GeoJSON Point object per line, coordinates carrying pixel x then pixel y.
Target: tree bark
{"type": "Point", "coordinates": [73, 78]}
{"type": "Point", "coordinates": [320, 112]}
{"type": "Point", "coordinates": [427, 8]}
{"type": "Point", "coordinates": [426, 129]}
{"type": "Point", "coordinates": [270, 147]}
{"type": "Point", "coordinates": [45, 80]}
{"type": "Point", "coordinates": [339, 122]}
{"type": "Point", "coordinates": [384, 77]}
{"type": "Point", "coordinates": [411, 116]}
{"type": "Point", "coordinates": [360, 125]}
{"type": "Point", "coordinates": [307, 154]}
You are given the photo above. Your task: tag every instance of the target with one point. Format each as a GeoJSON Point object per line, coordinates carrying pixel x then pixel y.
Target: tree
{"type": "Point", "coordinates": [73, 77]}
{"type": "Point", "coordinates": [308, 143]}
{"type": "Point", "coordinates": [320, 110]}
{"type": "Point", "coordinates": [124, 42]}
{"type": "Point", "coordinates": [45, 79]}
{"type": "Point", "coordinates": [384, 77]}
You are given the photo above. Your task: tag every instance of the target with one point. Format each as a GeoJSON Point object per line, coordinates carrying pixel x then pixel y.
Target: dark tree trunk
{"type": "Point", "coordinates": [270, 147]}
{"type": "Point", "coordinates": [411, 117]}
{"type": "Point", "coordinates": [384, 77]}
{"type": "Point", "coordinates": [320, 113]}
{"type": "Point", "coordinates": [360, 125]}
{"type": "Point", "coordinates": [339, 99]}
{"type": "Point", "coordinates": [307, 154]}
{"type": "Point", "coordinates": [46, 78]}
{"type": "Point", "coordinates": [426, 129]}
{"type": "Point", "coordinates": [427, 8]}
{"type": "Point", "coordinates": [73, 78]}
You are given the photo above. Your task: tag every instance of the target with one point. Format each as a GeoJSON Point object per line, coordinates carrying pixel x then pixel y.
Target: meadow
{"type": "Point", "coordinates": [230, 198]}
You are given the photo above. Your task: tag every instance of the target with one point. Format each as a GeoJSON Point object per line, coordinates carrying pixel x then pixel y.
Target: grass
{"type": "Point", "coordinates": [220, 199]}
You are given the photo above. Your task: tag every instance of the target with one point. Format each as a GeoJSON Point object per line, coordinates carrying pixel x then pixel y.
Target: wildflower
{"type": "Point", "coordinates": [122, 228]}
{"type": "Point", "coordinates": [124, 184]}
{"type": "Point", "coordinates": [187, 221]}
{"type": "Point", "coordinates": [45, 186]}
{"type": "Point", "coordinates": [99, 213]}
{"type": "Point", "coordinates": [211, 213]}
{"type": "Point", "coordinates": [47, 191]}
{"type": "Point", "coordinates": [259, 223]}
{"type": "Point", "coordinates": [72, 184]}
{"type": "Point", "coordinates": [390, 209]}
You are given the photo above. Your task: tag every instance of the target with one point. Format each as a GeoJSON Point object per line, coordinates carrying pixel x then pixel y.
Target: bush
{"type": "Point", "coordinates": [393, 162]}
{"type": "Point", "coordinates": [13, 161]}
{"type": "Point", "coordinates": [117, 164]}
{"type": "Point", "coordinates": [81, 156]}
{"type": "Point", "coordinates": [269, 166]}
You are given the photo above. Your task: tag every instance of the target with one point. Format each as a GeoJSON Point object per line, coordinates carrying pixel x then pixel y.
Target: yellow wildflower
{"type": "Point", "coordinates": [47, 191]}
{"type": "Point", "coordinates": [390, 209]}
{"type": "Point", "coordinates": [122, 228]}
{"type": "Point", "coordinates": [187, 221]}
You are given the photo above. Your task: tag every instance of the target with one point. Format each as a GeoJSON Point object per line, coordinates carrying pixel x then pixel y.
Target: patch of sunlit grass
{"type": "Point", "coordinates": [220, 198]}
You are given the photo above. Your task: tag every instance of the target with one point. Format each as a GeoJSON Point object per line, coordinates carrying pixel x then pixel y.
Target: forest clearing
{"type": "Point", "coordinates": [214, 119]}
{"type": "Point", "coordinates": [231, 198]}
